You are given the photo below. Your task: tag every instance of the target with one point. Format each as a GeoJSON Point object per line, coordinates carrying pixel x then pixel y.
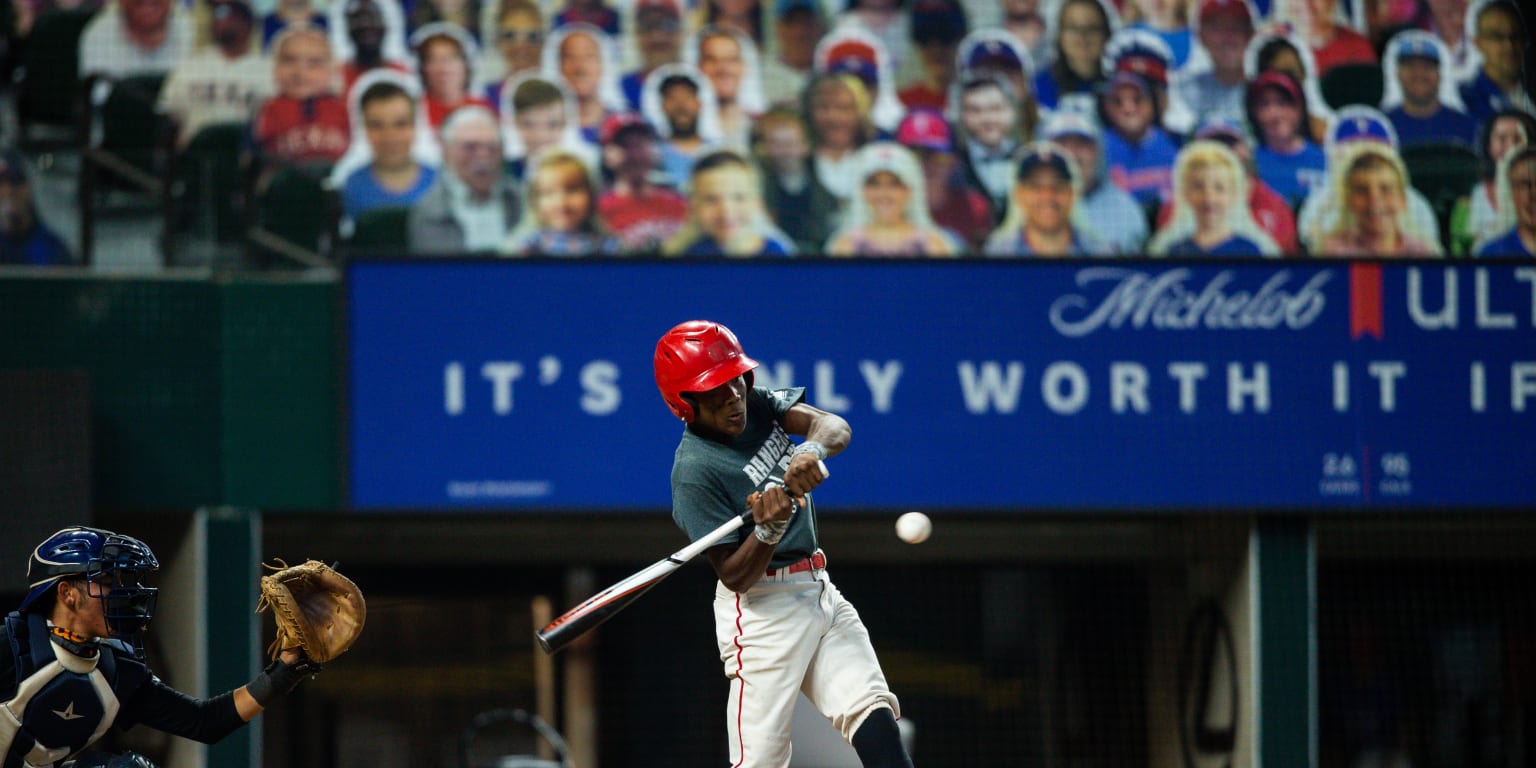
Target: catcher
{"type": "Point", "coordinates": [72, 666]}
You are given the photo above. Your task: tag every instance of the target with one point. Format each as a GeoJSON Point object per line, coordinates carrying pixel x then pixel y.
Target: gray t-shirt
{"type": "Point", "coordinates": [711, 479]}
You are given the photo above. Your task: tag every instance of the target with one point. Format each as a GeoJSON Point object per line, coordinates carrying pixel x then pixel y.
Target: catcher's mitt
{"type": "Point", "coordinates": [315, 608]}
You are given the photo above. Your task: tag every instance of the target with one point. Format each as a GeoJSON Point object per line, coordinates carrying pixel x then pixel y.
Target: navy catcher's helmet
{"type": "Point", "coordinates": [112, 565]}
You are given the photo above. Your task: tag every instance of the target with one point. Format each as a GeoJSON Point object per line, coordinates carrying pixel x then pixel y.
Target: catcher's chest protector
{"type": "Point", "coordinates": [62, 702]}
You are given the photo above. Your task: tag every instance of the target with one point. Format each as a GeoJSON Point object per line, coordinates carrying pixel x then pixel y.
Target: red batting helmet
{"type": "Point", "coordinates": [697, 356]}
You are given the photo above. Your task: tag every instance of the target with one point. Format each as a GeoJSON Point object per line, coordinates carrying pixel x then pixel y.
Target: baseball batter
{"type": "Point", "coordinates": [71, 665]}
{"type": "Point", "coordinates": [781, 624]}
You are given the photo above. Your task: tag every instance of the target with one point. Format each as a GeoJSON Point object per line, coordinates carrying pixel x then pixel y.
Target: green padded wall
{"type": "Point", "coordinates": [281, 442]}
{"type": "Point", "coordinates": [149, 347]}
{"type": "Point", "coordinates": [202, 392]}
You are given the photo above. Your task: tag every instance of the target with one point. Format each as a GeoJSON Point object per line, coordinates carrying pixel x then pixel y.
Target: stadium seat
{"type": "Point", "coordinates": [211, 183]}
{"type": "Point", "coordinates": [381, 231]}
{"type": "Point", "coordinates": [1443, 173]}
{"type": "Point", "coordinates": [8, 39]}
{"type": "Point", "coordinates": [47, 80]}
{"type": "Point", "coordinates": [127, 147]}
{"type": "Point", "coordinates": [1151, 211]}
{"type": "Point", "coordinates": [1348, 84]}
{"type": "Point", "coordinates": [295, 219]}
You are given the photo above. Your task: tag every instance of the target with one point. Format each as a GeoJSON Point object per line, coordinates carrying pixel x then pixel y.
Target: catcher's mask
{"type": "Point", "coordinates": [697, 356]}
{"type": "Point", "coordinates": [113, 567]}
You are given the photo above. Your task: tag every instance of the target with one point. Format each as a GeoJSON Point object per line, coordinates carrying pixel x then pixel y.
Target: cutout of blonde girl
{"type": "Point", "coordinates": [537, 112]}
{"type": "Point", "coordinates": [888, 215]}
{"type": "Point", "coordinates": [1043, 218]}
{"type": "Point", "coordinates": [725, 213]}
{"type": "Point", "coordinates": [586, 60]}
{"type": "Point", "coordinates": [446, 55]}
{"type": "Point", "coordinates": [685, 117]}
{"type": "Point", "coordinates": [863, 54]}
{"type": "Point", "coordinates": [1371, 182]}
{"type": "Point", "coordinates": [560, 210]}
{"type": "Point", "coordinates": [1210, 210]}
{"type": "Point", "coordinates": [424, 147]}
{"type": "Point", "coordinates": [836, 109]}
{"type": "Point", "coordinates": [1278, 47]}
{"type": "Point", "coordinates": [729, 61]}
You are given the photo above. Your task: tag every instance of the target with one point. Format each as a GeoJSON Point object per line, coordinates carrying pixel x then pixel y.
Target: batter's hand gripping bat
{"type": "Point", "coordinates": [602, 606]}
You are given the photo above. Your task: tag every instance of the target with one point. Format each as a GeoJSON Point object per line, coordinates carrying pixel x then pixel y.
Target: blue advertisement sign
{"type": "Point", "coordinates": [983, 386]}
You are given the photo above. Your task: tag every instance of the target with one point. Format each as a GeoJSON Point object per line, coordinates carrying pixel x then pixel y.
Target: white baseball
{"type": "Point", "coordinates": [914, 527]}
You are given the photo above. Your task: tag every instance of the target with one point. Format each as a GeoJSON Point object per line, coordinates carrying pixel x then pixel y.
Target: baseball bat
{"type": "Point", "coordinates": [602, 606]}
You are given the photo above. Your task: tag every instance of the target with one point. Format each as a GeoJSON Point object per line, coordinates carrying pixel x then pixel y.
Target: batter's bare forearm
{"type": "Point", "coordinates": [833, 433]}
{"type": "Point", "coordinates": [829, 430]}
{"type": "Point", "coordinates": [743, 566]}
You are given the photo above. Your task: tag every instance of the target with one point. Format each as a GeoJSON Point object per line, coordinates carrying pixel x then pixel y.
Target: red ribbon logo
{"type": "Point", "coordinates": [1365, 300]}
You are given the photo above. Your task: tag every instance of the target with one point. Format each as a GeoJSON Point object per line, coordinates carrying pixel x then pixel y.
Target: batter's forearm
{"type": "Point", "coordinates": [830, 431]}
{"type": "Point", "coordinates": [832, 434]}
{"type": "Point", "coordinates": [744, 566]}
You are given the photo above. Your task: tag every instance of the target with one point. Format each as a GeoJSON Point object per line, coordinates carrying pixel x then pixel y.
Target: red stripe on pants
{"type": "Point", "coordinates": [741, 693]}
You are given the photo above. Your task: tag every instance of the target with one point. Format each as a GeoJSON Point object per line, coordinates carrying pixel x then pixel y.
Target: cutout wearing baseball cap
{"type": "Point", "coordinates": [669, 7]}
{"type": "Point", "coordinates": [782, 7]}
{"type": "Point", "coordinates": [993, 54]}
{"type": "Point", "coordinates": [1139, 52]}
{"type": "Point", "coordinates": [1222, 128]}
{"type": "Point", "coordinates": [1045, 155]}
{"type": "Point", "coordinates": [1127, 78]}
{"type": "Point", "coordinates": [1421, 46]}
{"type": "Point", "coordinates": [1361, 123]}
{"type": "Point", "coordinates": [856, 57]}
{"type": "Point", "coordinates": [1064, 123]}
{"type": "Point", "coordinates": [1276, 80]}
{"type": "Point", "coordinates": [1149, 67]}
{"type": "Point", "coordinates": [1210, 9]}
{"type": "Point", "coordinates": [926, 129]}
{"type": "Point", "coordinates": [623, 123]}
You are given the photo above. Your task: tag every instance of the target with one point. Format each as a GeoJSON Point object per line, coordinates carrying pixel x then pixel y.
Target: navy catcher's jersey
{"type": "Point", "coordinates": [711, 479]}
{"type": "Point", "coordinates": [61, 702]}
{"type": "Point", "coordinates": [54, 704]}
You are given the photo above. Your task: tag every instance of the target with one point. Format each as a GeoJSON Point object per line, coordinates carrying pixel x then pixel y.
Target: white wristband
{"type": "Point", "coordinates": [811, 446]}
{"type": "Point", "coordinates": [770, 533]}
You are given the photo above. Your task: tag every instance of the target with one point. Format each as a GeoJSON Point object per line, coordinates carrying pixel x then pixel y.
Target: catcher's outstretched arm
{"type": "Point", "coordinates": [272, 683]}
